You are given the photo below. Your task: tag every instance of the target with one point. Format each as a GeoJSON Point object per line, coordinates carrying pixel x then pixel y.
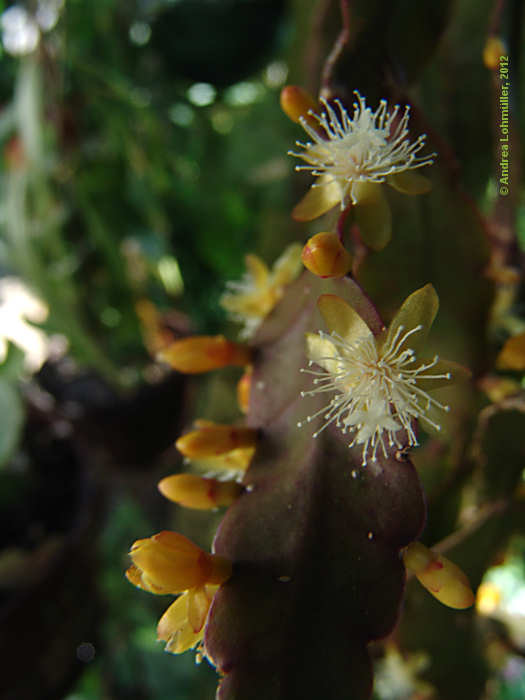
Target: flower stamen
{"type": "Point", "coordinates": [368, 147]}
{"type": "Point", "coordinates": [376, 391]}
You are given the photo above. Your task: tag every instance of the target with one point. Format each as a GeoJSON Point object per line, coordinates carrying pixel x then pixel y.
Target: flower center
{"type": "Point", "coordinates": [368, 147]}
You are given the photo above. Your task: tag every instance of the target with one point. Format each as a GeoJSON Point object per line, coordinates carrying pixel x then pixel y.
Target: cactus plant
{"type": "Point", "coordinates": [325, 506]}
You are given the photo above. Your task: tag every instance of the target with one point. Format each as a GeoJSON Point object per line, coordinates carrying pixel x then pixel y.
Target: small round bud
{"type": "Point", "coordinates": [325, 256]}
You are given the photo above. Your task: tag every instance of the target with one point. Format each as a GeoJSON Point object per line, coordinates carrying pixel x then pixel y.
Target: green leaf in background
{"type": "Point", "coordinates": [12, 412]}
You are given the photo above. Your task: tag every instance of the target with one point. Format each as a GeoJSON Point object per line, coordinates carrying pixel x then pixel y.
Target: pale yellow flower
{"type": "Point", "coordinates": [250, 300]}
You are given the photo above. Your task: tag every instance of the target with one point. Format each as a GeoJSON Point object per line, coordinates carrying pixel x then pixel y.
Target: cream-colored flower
{"type": "Point", "coordinates": [351, 157]}
{"type": "Point", "coordinates": [251, 299]}
{"type": "Point", "coordinates": [381, 384]}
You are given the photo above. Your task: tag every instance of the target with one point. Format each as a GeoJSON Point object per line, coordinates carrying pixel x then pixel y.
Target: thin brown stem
{"type": "Point", "coordinates": [340, 43]}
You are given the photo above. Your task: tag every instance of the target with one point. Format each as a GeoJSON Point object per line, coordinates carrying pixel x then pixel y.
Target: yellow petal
{"type": "Point", "coordinates": [342, 319]}
{"type": "Point", "coordinates": [237, 461]}
{"type": "Point", "coordinates": [297, 102]}
{"type": "Point", "coordinates": [171, 562]}
{"type": "Point", "coordinates": [258, 270]}
{"type": "Point", "coordinates": [175, 629]}
{"type": "Point", "coordinates": [409, 183]}
{"type": "Point", "coordinates": [198, 606]}
{"type": "Point", "coordinates": [442, 578]}
{"type": "Point", "coordinates": [320, 350]}
{"type": "Point", "coordinates": [138, 579]}
{"type": "Point", "coordinates": [372, 213]}
{"type": "Point", "coordinates": [215, 440]}
{"type": "Point", "coordinates": [419, 309]}
{"type": "Point", "coordinates": [287, 266]}
{"type": "Point", "coordinates": [318, 200]}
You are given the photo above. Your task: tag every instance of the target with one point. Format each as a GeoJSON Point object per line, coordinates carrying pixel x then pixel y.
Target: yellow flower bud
{"type": "Point", "coordinates": [297, 102]}
{"type": "Point", "coordinates": [325, 256]}
{"type": "Point", "coordinates": [194, 491]}
{"type": "Point", "coordinates": [494, 48]}
{"type": "Point", "coordinates": [443, 579]}
{"type": "Point", "coordinates": [512, 355]}
{"type": "Point", "coordinates": [212, 440]}
{"type": "Point", "coordinates": [170, 563]}
{"type": "Point", "coordinates": [203, 353]}
{"type": "Point", "coordinates": [243, 390]}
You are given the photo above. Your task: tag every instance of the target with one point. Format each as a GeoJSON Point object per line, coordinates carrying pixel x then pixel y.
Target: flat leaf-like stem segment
{"type": "Point", "coordinates": [315, 539]}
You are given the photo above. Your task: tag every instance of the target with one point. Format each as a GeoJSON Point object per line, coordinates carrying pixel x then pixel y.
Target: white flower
{"type": "Point", "coordinates": [367, 148]}
{"type": "Point", "coordinates": [380, 385]}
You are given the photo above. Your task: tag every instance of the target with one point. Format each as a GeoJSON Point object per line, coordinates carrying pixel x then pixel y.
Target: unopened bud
{"type": "Point", "coordinates": [443, 579]}
{"type": "Point", "coordinates": [243, 390]}
{"type": "Point", "coordinates": [297, 102]}
{"type": "Point", "coordinates": [203, 353]}
{"type": "Point", "coordinates": [492, 52]}
{"type": "Point", "coordinates": [325, 256]}
{"type": "Point", "coordinates": [194, 491]}
{"type": "Point", "coordinates": [170, 563]}
{"type": "Point", "coordinates": [213, 440]}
